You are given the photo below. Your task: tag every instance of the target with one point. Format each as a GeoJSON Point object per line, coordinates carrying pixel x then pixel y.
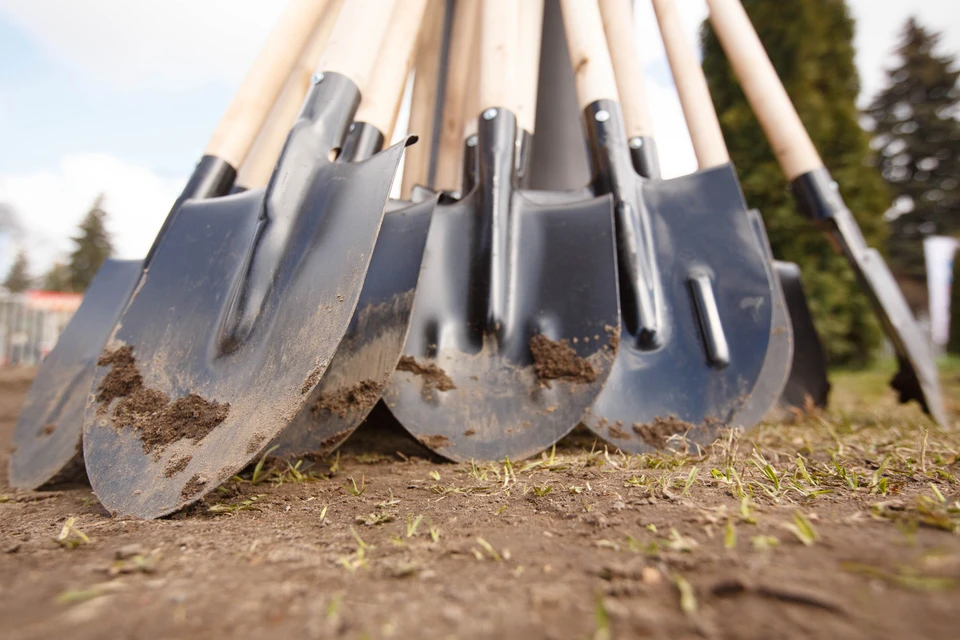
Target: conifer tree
{"type": "Point", "coordinates": [57, 278]}
{"type": "Point", "coordinates": [18, 279]}
{"type": "Point", "coordinates": [811, 45]}
{"type": "Point", "coordinates": [917, 138]}
{"type": "Point", "coordinates": [92, 247]}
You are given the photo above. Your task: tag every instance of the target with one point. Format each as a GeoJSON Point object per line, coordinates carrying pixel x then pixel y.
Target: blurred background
{"type": "Point", "coordinates": [106, 104]}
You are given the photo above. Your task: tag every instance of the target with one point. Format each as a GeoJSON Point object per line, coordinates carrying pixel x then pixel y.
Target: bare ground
{"type": "Point", "coordinates": [843, 524]}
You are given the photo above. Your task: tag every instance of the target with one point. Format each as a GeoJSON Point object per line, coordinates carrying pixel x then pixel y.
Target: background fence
{"type": "Point", "coordinates": [30, 324]}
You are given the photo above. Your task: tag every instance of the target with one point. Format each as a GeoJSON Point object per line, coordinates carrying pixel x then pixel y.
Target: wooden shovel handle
{"type": "Point", "coordinates": [528, 70]}
{"type": "Point", "coordinates": [769, 100]}
{"type": "Point", "coordinates": [381, 99]}
{"type": "Point", "coordinates": [356, 40]}
{"type": "Point", "coordinates": [234, 136]}
{"type": "Point", "coordinates": [258, 167]}
{"type": "Point", "coordinates": [618, 25]}
{"type": "Point", "coordinates": [499, 55]}
{"type": "Point", "coordinates": [460, 105]}
{"type": "Point", "coordinates": [695, 99]}
{"type": "Point", "coordinates": [423, 102]}
{"type": "Point", "coordinates": [592, 67]}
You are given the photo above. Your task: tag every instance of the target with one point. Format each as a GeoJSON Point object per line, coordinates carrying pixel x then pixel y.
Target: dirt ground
{"type": "Point", "coordinates": [831, 525]}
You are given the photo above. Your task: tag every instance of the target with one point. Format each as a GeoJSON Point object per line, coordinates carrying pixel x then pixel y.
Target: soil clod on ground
{"type": "Point", "coordinates": [149, 411]}
{"type": "Point", "coordinates": [433, 376]}
{"type": "Point", "coordinates": [359, 397]}
{"type": "Point", "coordinates": [556, 360]}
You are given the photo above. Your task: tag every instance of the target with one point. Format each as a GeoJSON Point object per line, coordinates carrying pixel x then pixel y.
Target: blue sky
{"type": "Point", "coordinates": [120, 96]}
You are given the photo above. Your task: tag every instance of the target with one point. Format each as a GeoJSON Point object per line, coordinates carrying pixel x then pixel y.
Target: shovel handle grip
{"type": "Point", "coordinates": [592, 66]}
{"type": "Point", "coordinates": [767, 97]}
{"type": "Point", "coordinates": [258, 167]}
{"type": "Point", "coordinates": [698, 111]}
{"type": "Point", "coordinates": [423, 101]}
{"type": "Point", "coordinates": [528, 71]}
{"type": "Point", "coordinates": [618, 25]}
{"type": "Point", "coordinates": [356, 40]}
{"type": "Point", "coordinates": [499, 55]}
{"type": "Point", "coordinates": [380, 101]}
{"type": "Point", "coordinates": [234, 136]}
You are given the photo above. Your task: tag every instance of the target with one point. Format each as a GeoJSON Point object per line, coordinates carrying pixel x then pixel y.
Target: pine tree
{"type": "Point", "coordinates": [18, 278]}
{"type": "Point", "coordinates": [811, 45]}
{"type": "Point", "coordinates": [917, 138]}
{"type": "Point", "coordinates": [93, 246]}
{"type": "Point", "coordinates": [57, 278]}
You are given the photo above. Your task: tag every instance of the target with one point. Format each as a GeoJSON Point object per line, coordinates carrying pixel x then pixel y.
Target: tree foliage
{"type": "Point", "coordinates": [917, 138]}
{"type": "Point", "coordinates": [811, 45]}
{"type": "Point", "coordinates": [18, 278]}
{"type": "Point", "coordinates": [92, 247]}
{"type": "Point", "coordinates": [57, 278]}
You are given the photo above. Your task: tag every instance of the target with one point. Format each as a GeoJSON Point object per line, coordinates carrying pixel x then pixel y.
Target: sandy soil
{"type": "Point", "coordinates": [838, 525]}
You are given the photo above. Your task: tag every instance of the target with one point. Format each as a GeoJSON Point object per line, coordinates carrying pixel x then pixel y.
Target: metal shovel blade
{"type": "Point", "coordinates": [237, 319]}
{"type": "Point", "coordinates": [780, 351]}
{"type": "Point", "coordinates": [515, 317]}
{"type": "Point", "coordinates": [696, 298]}
{"type": "Point", "coordinates": [370, 349]}
{"type": "Point", "coordinates": [808, 373]}
{"type": "Point", "coordinates": [48, 431]}
{"type": "Point", "coordinates": [819, 198]}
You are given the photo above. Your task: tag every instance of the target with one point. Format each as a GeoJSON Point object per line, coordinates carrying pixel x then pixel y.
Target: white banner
{"type": "Point", "coordinates": [938, 254]}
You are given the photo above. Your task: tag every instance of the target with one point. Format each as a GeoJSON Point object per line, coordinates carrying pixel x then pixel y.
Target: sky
{"type": "Point", "coordinates": [120, 96]}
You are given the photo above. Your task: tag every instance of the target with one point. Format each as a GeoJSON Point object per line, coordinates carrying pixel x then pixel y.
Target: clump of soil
{"type": "Point", "coordinates": [47, 430]}
{"type": "Point", "coordinates": [123, 378]}
{"type": "Point", "coordinates": [556, 360]}
{"type": "Point", "coordinates": [334, 441]}
{"type": "Point", "coordinates": [311, 381]}
{"type": "Point", "coordinates": [434, 442]}
{"type": "Point", "coordinates": [176, 465]}
{"type": "Point", "coordinates": [149, 411]}
{"type": "Point", "coordinates": [614, 333]}
{"type": "Point", "coordinates": [360, 396]}
{"type": "Point", "coordinates": [193, 487]}
{"type": "Point", "coordinates": [433, 376]}
{"type": "Point", "coordinates": [656, 433]}
{"type": "Point", "coordinates": [254, 445]}
{"type": "Point", "coordinates": [617, 431]}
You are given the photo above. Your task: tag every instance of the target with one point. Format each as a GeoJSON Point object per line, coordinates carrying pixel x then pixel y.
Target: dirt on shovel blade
{"type": "Point", "coordinates": [657, 433]}
{"type": "Point", "coordinates": [359, 397]}
{"type": "Point", "coordinates": [433, 376]}
{"type": "Point", "coordinates": [158, 421]}
{"type": "Point", "coordinates": [556, 360]}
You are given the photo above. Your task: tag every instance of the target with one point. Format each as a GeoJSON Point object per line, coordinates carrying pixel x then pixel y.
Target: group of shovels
{"type": "Point", "coordinates": [494, 308]}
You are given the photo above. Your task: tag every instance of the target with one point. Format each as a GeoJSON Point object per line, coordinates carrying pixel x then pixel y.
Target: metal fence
{"type": "Point", "coordinates": [30, 324]}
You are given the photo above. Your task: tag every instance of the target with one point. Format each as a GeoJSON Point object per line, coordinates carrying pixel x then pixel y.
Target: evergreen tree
{"type": "Point", "coordinates": [93, 246]}
{"type": "Point", "coordinates": [57, 278]}
{"type": "Point", "coordinates": [917, 138]}
{"type": "Point", "coordinates": [18, 279]}
{"type": "Point", "coordinates": [811, 45]}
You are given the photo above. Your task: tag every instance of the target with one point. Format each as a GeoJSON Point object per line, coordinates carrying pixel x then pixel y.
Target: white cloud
{"type": "Point", "coordinates": [50, 204]}
{"type": "Point", "coordinates": [172, 44]}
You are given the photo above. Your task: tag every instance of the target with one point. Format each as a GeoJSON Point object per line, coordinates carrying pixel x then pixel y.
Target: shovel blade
{"type": "Point", "coordinates": [808, 373]}
{"type": "Point", "coordinates": [706, 361]}
{"type": "Point", "coordinates": [48, 432]}
{"type": "Point", "coordinates": [180, 410]}
{"type": "Point", "coordinates": [370, 349]}
{"type": "Point", "coordinates": [780, 351]}
{"type": "Point", "coordinates": [472, 392]}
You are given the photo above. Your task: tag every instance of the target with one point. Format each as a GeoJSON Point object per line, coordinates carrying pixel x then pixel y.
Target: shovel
{"type": "Point", "coordinates": [695, 280]}
{"type": "Point", "coordinates": [808, 382]}
{"type": "Point", "coordinates": [371, 347]}
{"type": "Point", "coordinates": [246, 300]}
{"type": "Point", "coordinates": [48, 431]}
{"type": "Point", "coordinates": [818, 197]}
{"type": "Point", "coordinates": [514, 322]}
